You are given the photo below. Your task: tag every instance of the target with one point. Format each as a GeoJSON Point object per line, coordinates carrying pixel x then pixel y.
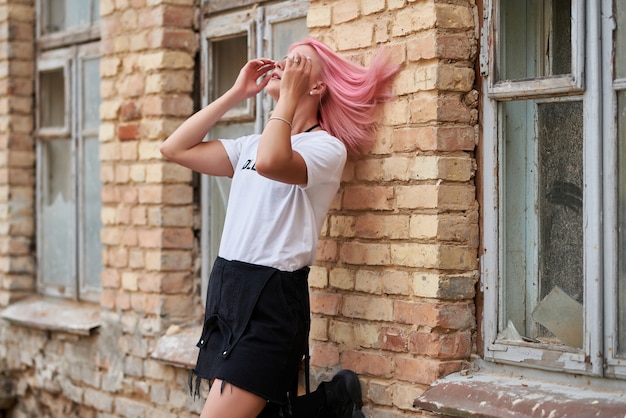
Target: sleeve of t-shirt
{"type": "Point", "coordinates": [233, 149]}
{"type": "Point", "coordinates": [325, 157]}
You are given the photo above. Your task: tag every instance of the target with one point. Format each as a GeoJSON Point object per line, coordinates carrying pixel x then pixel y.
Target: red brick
{"type": "Point", "coordinates": [441, 315]}
{"type": "Point", "coordinates": [324, 355]}
{"type": "Point", "coordinates": [457, 345]}
{"type": "Point", "coordinates": [325, 303]}
{"type": "Point", "coordinates": [128, 131]}
{"type": "Point", "coordinates": [423, 371]}
{"type": "Point", "coordinates": [373, 364]}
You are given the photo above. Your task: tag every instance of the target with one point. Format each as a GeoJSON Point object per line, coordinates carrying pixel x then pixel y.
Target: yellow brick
{"type": "Point", "coordinates": [345, 11]}
{"type": "Point", "coordinates": [423, 108]}
{"type": "Point", "coordinates": [319, 16]}
{"type": "Point", "coordinates": [130, 281]}
{"type": "Point", "coordinates": [342, 333]}
{"type": "Point", "coordinates": [415, 255]}
{"type": "Point", "coordinates": [368, 307]}
{"type": "Point", "coordinates": [354, 35]}
{"type": "Point", "coordinates": [369, 281]}
{"type": "Point", "coordinates": [414, 18]}
{"type": "Point", "coordinates": [452, 78]}
{"type": "Point", "coordinates": [425, 167]}
{"type": "Point", "coordinates": [417, 197]}
{"type": "Point", "coordinates": [424, 226]}
{"type": "Point", "coordinates": [341, 226]}
{"type": "Point", "coordinates": [369, 7]}
{"type": "Point", "coordinates": [342, 278]}
{"type": "Point", "coordinates": [397, 282]}
{"type": "Point", "coordinates": [451, 16]}
{"type": "Point", "coordinates": [396, 112]}
{"type": "Point", "coordinates": [367, 335]}
{"type": "Point", "coordinates": [319, 329]}
{"type": "Point", "coordinates": [318, 277]}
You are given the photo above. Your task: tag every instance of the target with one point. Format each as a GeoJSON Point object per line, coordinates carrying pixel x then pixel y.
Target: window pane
{"type": "Point", "coordinates": [229, 55]}
{"type": "Point", "coordinates": [543, 244]}
{"type": "Point", "coordinates": [91, 93]}
{"type": "Point", "coordinates": [58, 226]}
{"type": "Point", "coordinates": [621, 140]}
{"type": "Point", "coordinates": [285, 33]}
{"type": "Point", "coordinates": [534, 39]}
{"type": "Point", "coordinates": [619, 12]}
{"type": "Point", "coordinates": [92, 205]}
{"type": "Point", "coordinates": [62, 15]}
{"type": "Point", "coordinates": [78, 13]}
{"type": "Point", "coordinates": [52, 98]}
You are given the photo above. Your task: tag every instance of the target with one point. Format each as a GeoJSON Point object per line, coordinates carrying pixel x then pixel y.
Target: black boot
{"type": "Point", "coordinates": [343, 395]}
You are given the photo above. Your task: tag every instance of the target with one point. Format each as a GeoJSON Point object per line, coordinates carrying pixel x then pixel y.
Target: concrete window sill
{"type": "Point", "coordinates": [52, 314]}
{"type": "Point", "coordinates": [490, 395]}
{"type": "Point", "coordinates": [178, 347]}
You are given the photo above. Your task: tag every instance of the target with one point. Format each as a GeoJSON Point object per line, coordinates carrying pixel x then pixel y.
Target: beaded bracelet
{"type": "Point", "coordinates": [281, 119]}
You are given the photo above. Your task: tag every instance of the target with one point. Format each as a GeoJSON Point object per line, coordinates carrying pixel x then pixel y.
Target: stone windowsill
{"type": "Point", "coordinates": [492, 395]}
{"type": "Point", "coordinates": [178, 347]}
{"type": "Point", "coordinates": [52, 314]}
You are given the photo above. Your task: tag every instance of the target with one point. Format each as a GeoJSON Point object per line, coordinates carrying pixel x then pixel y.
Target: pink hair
{"type": "Point", "coordinates": [349, 105]}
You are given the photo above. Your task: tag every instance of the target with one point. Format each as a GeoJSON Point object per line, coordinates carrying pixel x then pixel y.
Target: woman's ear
{"type": "Point", "coordinates": [318, 89]}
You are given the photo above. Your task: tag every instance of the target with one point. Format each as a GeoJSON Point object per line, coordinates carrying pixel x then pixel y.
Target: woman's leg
{"type": "Point", "coordinates": [229, 401]}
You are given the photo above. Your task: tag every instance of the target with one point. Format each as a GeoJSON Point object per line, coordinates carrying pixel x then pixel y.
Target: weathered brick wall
{"type": "Point", "coordinates": [392, 294]}
{"type": "Point", "coordinates": [17, 151]}
{"type": "Point", "coordinates": [393, 287]}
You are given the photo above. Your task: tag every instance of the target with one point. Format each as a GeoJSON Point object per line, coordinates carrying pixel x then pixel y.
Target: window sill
{"type": "Point", "coordinates": [490, 394]}
{"type": "Point", "coordinates": [178, 347]}
{"type": "Point", "coordinates": [52, 314]}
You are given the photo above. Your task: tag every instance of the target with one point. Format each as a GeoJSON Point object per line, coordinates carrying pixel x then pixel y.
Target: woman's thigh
{"type": "Point", "coordinates": [229, 401]}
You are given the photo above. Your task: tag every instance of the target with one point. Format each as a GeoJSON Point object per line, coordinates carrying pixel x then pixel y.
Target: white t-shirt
{"type": "Point", "coordinates": [275, 224]}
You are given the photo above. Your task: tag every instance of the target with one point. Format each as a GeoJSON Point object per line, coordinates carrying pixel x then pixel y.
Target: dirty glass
{"type": "Point", "coordinates": [62, 15]}
{"type": "Point", "coordinates": [90, 94]}
{"type": "Point", "coordinates": [57, 209]}
{"type": "Point", "coordinates": [543, 244]}
{"type": "Point", "coordinates": [92, 205]}
{"type": "Point", "coordinates": [621, 140]}
{"type": "Point", "coordinates": [91, 254]}
{"type": "Point", "coordinates": [52, 98]}
{"type": "Point", "coordinates": [534, 39]}
{"type": "Point", "coordinates": [229, 56]}
{"type": "Point", "coordinates": [284, 33]}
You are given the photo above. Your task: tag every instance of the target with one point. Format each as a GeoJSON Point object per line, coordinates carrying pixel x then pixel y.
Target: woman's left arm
{"type": "Point", "coordinates": [275, 157]}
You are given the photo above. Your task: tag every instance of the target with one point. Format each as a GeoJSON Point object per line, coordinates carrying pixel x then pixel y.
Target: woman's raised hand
{"type": "Point", "coordinates": [248, 83]}
{"type": "Point", "coordinates": [295, 79]}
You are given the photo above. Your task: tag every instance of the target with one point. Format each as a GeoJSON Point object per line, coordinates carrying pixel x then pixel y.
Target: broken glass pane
{"type": "Point", "coordinates": [543, 202]}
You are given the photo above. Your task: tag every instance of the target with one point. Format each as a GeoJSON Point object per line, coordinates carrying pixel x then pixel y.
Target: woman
{"type": "Point", "coordinates": [257, 311]}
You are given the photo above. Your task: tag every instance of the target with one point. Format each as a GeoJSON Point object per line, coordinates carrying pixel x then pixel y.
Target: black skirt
{"type": "Point", "coordinates": [256, 329]}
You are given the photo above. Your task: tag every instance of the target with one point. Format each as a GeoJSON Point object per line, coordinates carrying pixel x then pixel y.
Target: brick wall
{"type": "Point", "coordinates": [393, 289]}
{"type": "Point", "coordinates": [17, 152]}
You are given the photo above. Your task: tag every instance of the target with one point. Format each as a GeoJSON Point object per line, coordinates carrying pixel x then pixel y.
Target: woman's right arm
{"type": "Point", "coordinates": [185, 145]}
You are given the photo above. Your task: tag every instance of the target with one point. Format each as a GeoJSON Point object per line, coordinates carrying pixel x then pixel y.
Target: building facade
{"type": "Point", "coordinates": [476, 249]}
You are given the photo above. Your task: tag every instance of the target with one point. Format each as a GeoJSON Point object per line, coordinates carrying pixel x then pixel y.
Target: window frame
{"type": "Point", "coordinates": [66, 50]}
{"type": "Point", "coordinates": [615, 366]}
{"type": "Point", "coordinates": [540, 86]}
{"type": "Point", "coordinates": [590, 359]}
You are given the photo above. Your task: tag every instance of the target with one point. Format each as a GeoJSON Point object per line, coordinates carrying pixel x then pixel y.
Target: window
{"type": "Point", "coordinates": [554, 114]}
{"type": "Point", "coordinates": [68, 165]}
{"type": "Point", "coordinates": [228, 42]}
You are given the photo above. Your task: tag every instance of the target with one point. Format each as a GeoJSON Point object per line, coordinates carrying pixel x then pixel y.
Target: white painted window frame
{"type": "Point", "coordinates": [615, 366]}
{"type": "Point", "coordinates": [590, 359]}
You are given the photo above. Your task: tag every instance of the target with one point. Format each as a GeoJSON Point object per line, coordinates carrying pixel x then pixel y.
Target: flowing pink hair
{"type": "Point", "coordinates": [348, 108]}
